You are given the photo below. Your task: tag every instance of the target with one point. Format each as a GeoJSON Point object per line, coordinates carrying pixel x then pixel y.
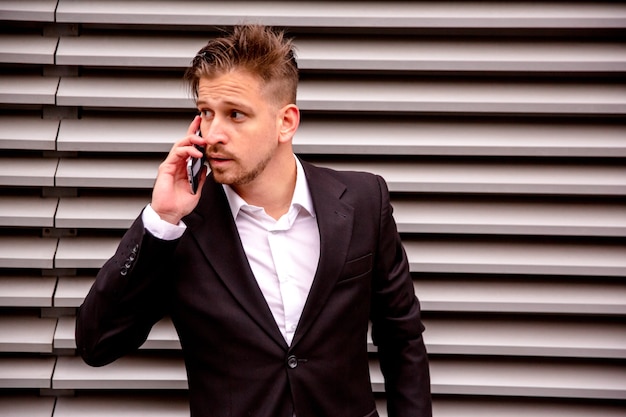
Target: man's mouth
{"type": "Point", "coordinates": [218, 159]}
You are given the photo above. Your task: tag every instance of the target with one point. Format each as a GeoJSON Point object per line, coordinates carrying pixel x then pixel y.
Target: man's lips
{"type": "Point", "coordinates": [218, 159]}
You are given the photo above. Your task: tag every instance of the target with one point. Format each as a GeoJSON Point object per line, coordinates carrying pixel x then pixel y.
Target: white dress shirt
{"type": "Point", "coordinates": [283, 254]}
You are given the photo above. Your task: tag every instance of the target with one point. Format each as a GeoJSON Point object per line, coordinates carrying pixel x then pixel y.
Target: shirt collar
{"type": "Point", "coordinates": [301, 194]}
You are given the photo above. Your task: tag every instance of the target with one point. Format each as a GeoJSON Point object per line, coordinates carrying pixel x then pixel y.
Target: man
{"type": "Point", "coordinates": [273, 269]}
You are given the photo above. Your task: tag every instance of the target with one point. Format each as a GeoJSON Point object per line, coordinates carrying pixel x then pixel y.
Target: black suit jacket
{"type": "Point", "coordinates": [238, 364]}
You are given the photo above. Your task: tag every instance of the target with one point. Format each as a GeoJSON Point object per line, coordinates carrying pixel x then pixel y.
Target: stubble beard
{"type": "Point", "coordinates": [241, 176]}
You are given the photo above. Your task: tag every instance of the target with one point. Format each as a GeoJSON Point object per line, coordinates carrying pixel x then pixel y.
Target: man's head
{"type": "Point", "coordinates": [245, 89]}
{"type": "Point", "coordinates": [258, 50]}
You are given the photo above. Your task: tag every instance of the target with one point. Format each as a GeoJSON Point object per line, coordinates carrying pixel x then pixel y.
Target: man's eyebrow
{"type": "Point", "coordinates": [228, 103]}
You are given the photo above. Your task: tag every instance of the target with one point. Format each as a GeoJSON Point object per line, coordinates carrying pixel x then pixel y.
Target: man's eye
{"type": "Point", "coordinates": [205, 114]}
{"type": "Point", "coordinates": [237, 115]}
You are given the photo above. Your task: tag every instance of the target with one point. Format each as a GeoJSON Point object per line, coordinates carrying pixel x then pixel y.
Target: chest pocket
{"type": "Point", "coordinates": [356, 268]}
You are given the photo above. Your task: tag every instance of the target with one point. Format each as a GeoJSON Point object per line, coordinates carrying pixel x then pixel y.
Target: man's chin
{"type": "Point", "coordinates": [222, 177]}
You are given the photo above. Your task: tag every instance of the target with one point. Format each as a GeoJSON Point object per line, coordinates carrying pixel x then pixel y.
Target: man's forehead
{"type": "Point", "coordinates": [231, 84]}
{"type": "Point", "coordinates": [237, 86]}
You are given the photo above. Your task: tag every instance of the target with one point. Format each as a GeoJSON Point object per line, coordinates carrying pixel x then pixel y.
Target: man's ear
{"type": "Point", "coordinates": [289, 122]}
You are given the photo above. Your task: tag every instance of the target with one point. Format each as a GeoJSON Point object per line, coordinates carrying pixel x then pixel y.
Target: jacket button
{"type": "Point", "coordinates": [292, 362]}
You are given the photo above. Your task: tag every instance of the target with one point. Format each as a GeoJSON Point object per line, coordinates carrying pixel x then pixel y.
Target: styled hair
{"type": "Point", "coordinates": [259, 50]}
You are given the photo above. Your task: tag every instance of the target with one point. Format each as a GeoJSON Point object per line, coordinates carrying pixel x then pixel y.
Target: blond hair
{"type": "Point", "coordinates": [259, 50]}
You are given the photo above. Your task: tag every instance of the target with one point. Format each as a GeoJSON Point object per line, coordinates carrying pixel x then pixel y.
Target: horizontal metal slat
{"type": "Point", "coordinates": [421, 216]}
{"type": "Point", "coordinates": [460, 55]}
{"type": "Point", "coordinates": [123, 173]}
{"type": "Point", "coordinates": [449, 295]}
{"type": "Point", "coordinates": [139, 92]}
{"type": "Point", "coordinates": [499, 337]}
{"type": "Point", "coordinates": [27, 252]}
{"type": "Point", "coordinates": [26, 334]}
{"type": "Point", "coordinates": [522, 378]}
{"type": "Point", "coordinates": [418, 177]}
{"type": "Point", "coordinates": [27, 211]}
{"type": "Point", "coordinates": [24, 89]}
{"type": "Point", "coordinates": [462, 97]}
{"type": "Point", "coordinates": [27, 49]}
{"type": "Point", "coordinates": [460, 406]}
{"type": "Point", "coordinates": [98, 212]}
{"type": "Point", "coordinates": [160, 405]}
{"type": "Point", "coordinates": [71, 291]}
{"type": "Point", "coordinates": [27, 171]}
{"type": "Point", "coordinates": [127, 405]}
{"type": "Point", "coordinates": [125, 373]}
{"type": "Point", "coordinates": [129, 51]}
{"type": "Point", "coordinates": [460, 216]}
{"type": "Point", "coordinates": [33, 10]}
{"type": "Point", "coordinates": [367, 137]}
{"type": "Point", "coordinates": [508, 295]}
{"type": "Point", "coordinates": [365, 54]}
{"type": "Point", "coordinates": [24, 132]}
{"type": "Point", "coordinates": [84, 252]}
{"type": "Point", "coordinates": [24, 405]}
{"type": "Point", "coordinates": [400, 137]}
{"type": "Point", "coordinates": [440, 257]}
{"type": "Point", "coordinates": [156, 134]}
{"type": "Point", "coordinates": [497, 257]}
{"type": "Point", "coordinates": [163, 336]}
{"type": "Point", "coordinates": [547, 337]}
{"type": "Point", "coordinates": [475, 377]}
{"type": "Point", "coordinates": [26, 291]}
{"type": "Point", "coordinates": [368, 96]}
{"type": "Point", "coordinates": [26, 372]}
{"type": "Point", "coordinates": [551, 15]}
{"type": "Point", "coordinates": [511, 178]}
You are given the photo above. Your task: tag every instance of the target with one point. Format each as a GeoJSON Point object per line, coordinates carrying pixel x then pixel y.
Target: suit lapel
{"type": "Point", "coordinates": [212, 226]}
{"type": "Point", "coordinates": [335, 221]}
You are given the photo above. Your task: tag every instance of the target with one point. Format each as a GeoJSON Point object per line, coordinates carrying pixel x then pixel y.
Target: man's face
{"type": "Point", "coordinates": [240, 126]}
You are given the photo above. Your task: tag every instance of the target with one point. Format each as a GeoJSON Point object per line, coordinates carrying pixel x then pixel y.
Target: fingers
{"type": "Point", "coordinates": [194, 125]}
{"type": "Point", "coordinates": [184, 147]}
{"type": "Point", "coordinates": [171, 194]}
{"type": "Point", "coordinates": [193, 135]}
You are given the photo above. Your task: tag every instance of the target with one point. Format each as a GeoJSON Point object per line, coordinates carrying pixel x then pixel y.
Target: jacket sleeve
{"type": "Point", "coordinates": [396, 324]}
{"type": "Point", "coordinates": [126, 299]}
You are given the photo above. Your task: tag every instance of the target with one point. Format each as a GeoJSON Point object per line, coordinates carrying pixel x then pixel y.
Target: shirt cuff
{"type": "Point", "coordinates": [159, 228]}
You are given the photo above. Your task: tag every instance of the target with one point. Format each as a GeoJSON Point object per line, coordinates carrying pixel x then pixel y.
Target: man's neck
{"type": "Point", "coordinates": [272, 192]}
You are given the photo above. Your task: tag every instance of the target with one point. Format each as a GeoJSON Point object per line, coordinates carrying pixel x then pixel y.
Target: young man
{"type": "Point", "coordinates": [273, 269]}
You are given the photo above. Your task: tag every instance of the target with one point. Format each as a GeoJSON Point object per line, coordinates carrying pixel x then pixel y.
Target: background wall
{"type": "Point", "coordinates": [499, 127]}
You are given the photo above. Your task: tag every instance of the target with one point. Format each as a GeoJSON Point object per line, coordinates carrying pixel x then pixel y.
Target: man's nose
{"type": "Point", "coordinates": [214, 132]}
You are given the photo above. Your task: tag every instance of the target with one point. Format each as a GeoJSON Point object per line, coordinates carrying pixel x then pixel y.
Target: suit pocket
{"type": "Point", "coordinates": [357, 268]}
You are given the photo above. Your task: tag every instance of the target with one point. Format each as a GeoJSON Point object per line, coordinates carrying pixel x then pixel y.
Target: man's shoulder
{"type": "Point", "coordinates": [343, 175]}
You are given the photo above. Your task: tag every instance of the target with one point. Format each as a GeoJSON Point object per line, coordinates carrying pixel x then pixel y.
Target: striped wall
{"type": "Point", "coordinates": [499, 127]}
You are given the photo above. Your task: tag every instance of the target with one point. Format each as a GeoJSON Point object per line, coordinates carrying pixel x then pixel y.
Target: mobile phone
{"type": "Point", "coordinates": [194, 167]}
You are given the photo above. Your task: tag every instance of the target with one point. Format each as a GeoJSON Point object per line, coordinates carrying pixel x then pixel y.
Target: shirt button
{"type": "Point", "coordinates": [292, 362]}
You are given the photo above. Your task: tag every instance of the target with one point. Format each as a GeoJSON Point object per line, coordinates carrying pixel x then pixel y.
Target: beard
{"type": "Point", "coordinates": [238, 175]}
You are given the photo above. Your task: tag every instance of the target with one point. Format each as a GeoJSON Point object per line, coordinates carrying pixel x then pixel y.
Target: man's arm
{"type": "Point", "coordinates": [130, 291]}
{"type": "Point", "coordinates": [127, 298]}
{"type": "Point", "coordinates": [396, 324]}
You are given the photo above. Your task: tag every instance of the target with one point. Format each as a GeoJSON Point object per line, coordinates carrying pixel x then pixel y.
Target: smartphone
{"type": "Point", "coordinates": [194, 167]}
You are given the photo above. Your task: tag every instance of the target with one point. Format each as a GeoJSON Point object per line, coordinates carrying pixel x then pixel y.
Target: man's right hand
{"type": "Point", "coordinates": [172, 198]}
